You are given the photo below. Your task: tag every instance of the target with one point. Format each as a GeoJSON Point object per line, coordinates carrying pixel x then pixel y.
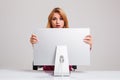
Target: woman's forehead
{"type": "Point", "coordinates": [57, 14]}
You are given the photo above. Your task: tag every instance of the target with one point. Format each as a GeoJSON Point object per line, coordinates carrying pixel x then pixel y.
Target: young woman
{"type": "Point", "coordinates": [58, 19]}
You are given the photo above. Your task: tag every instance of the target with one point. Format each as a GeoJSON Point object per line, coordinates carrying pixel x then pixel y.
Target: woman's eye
{"type": "Point", "coordinates": [53, 18]}
{"type": "Point", "coordinates": [61, 18]}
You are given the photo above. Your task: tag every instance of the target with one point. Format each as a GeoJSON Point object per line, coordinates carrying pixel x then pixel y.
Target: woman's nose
{"type": "Point", "coordinates": [58, 21]}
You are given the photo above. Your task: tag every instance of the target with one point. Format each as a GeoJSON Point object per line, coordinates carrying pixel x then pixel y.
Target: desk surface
{"type": "Point", "coordinates": [6, 74]}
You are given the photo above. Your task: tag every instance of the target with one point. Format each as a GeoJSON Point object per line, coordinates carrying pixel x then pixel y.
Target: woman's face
{"type": "Point", "coordinates": [57, 21]}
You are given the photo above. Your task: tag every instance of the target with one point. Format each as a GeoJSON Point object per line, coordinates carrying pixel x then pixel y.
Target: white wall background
{"type": "Point", "coordinates": [19, 18]}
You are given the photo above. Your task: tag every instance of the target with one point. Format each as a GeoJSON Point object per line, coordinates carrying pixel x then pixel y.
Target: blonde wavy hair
{"type": "Point", "coordinates": [62, 14]}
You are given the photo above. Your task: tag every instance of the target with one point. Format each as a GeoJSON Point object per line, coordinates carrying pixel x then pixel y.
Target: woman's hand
{"type": "Point", "coordinates": [88, 40]}
{"type": "Point", "coordinates": [33, 39]}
